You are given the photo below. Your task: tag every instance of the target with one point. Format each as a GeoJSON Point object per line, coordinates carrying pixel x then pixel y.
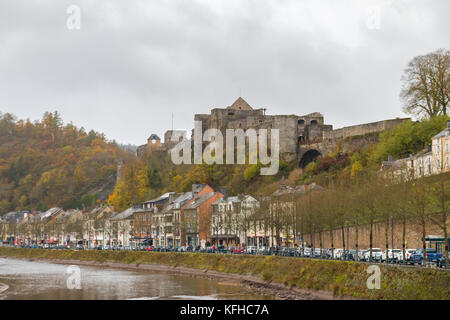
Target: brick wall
{"type": "Point", "coordinates": [413, 235]}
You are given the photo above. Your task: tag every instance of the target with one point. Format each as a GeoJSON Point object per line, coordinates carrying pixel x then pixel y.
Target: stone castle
{"type": "Point", "coordinates": [302, 137]}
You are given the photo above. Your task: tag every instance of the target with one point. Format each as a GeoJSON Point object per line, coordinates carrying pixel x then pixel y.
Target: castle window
{"type": "Point", "coordinates": [313, 121]}
{"type": "Point", "coordinates": [301, 121]}
{"type": "Point", "coordinates": [231, 113]}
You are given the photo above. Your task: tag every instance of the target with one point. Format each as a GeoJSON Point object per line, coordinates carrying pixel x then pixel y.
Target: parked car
{"type": "Point", "coordinates": [317, 252]}
{"type": "Point", "coordinates": [376, 255]}
{"type": "Point", "coordinates": [408, 254]}
{"type": "Point", "coordinates": [250, 250]}
{"type": "Point", "coordinates": [362, 255]}
{"type": "Point", "coordinates": [349, 255]}
{"type": "Point", "coordinates": [107, 247]}
{"type": "Point", "coordinates": [338, 253]}
{"type": "Point", "coordinates": [393, 255]}
{"type": "Point", "coordinates": [430, 253]}
{"type": "Point", "coordinates": [306, 252]}
{"type": "Point", "coordinates": [442, 262]}
{"type": "Point", "coordinates": [238, 250]}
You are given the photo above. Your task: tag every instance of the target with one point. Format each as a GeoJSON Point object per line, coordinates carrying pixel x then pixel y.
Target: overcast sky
{"type": "Point", "coordinates": [133, 63]}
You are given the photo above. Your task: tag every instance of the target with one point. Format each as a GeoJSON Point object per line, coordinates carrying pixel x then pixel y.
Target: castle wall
{"type": "Point", "coordinates": [362, 129]}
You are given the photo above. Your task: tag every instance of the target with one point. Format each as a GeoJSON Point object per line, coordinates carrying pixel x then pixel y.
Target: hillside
{"type": "Point", "coordinates": [156, 174]}
{"type": "Point", "coordinates": [46, 163]}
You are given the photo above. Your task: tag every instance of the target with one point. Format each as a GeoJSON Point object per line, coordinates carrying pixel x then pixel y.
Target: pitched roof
{"type": "Point", "coordinates": [443, 133]}
{"type": "Point", "coordinates": [165, 196]}
{"type": "Point", "coordinates": [302, 189]}
{"type": "Point", "coordinates": [124, 214]}
{"type": "Point", "coordinates": [240, 104]}
{"type": "Point", "coordinates": [154, 137]}
{"type": "Point", "coordinates": [179, 201]}
{"type": "Point", "coordinates": [199, 201]}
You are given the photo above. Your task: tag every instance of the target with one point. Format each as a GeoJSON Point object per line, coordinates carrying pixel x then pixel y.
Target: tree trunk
{"type": "Point", "coordinates": [404, 239]}
{"type": "Point", "coordinates": [386, 238]}
{"type": "Point", "coordinates": [356, 241]}
{"type": "Point", "coordinates": [445, 241]}
{"type": "Point", "coordinates": [370, 241]}
{"type": "Point", "coordinates": [424, 244]}
{"type": "Point", "coordinates": [321, 243]}
{"type": "Point", "coordinates": [332, 243]}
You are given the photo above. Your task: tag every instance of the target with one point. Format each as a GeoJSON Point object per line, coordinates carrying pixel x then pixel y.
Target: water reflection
{"type": "Point", "coordinates": [20, 279]}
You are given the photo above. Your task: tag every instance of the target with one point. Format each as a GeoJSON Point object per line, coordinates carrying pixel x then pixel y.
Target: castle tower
{"type": "Point", "coordinates": [240, 104]}
{"type": "Point", "coordinates": [154, 143]}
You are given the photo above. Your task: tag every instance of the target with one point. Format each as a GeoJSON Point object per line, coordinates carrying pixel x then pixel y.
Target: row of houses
{"type": "Point", "coordinates": [200, 217]}
{"type": "Point", "coordinates": [433, 160]}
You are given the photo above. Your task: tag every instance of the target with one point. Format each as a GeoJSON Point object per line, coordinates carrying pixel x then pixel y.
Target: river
{"type": "Point", "coordinates": [22, 279]}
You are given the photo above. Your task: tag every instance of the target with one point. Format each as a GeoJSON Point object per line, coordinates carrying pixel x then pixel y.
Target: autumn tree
{"type": "Point", "coordinates": [132, 186]}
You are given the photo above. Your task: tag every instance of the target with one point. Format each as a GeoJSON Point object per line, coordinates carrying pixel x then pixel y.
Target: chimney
{"type": "Point", "coordinates": [223, 191]}
{"type": "Point", "coordinates": [429, 147]}
{"type": "Point", "coordinates": [448, 124]}
{"type": "Point", "coordinates": [170, 198]}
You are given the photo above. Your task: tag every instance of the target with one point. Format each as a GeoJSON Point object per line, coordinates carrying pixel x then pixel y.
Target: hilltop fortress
{"type": "Point", "coordinates": [302, 137]}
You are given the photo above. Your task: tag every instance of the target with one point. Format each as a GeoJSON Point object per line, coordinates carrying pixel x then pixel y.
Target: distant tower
{"type": "Point", "coordinates": [153, 143]}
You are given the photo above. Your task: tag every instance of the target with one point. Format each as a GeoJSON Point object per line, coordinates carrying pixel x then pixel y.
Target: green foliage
{"type": "Point", "coordinates": [407, 138]}
{"type": "Point", "coordinates": [356, 157]}
{"type": "Point", "coordinates": [251, 172]}
{"type": "Point", "coordinates": [312, 168]}
{"type": "Point", "coordinates": [356, 169]}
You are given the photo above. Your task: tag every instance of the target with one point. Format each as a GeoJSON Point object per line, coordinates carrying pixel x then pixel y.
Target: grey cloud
{"type": "Point", "coordinates": [133, 63]}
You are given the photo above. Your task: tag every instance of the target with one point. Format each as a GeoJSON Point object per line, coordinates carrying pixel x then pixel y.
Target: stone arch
{"type": "Point", "coordinates": [314, 122]}
{"type": "Point", "coordinates": [308, 157]}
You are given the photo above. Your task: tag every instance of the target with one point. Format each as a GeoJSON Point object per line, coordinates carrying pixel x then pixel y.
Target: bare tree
{"type": "Point", "coordinates": [425, 90]}
{"type": "Point", "coordinates": [419, 201]}
{"type": "Point", "coordinates": [440, 194]}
